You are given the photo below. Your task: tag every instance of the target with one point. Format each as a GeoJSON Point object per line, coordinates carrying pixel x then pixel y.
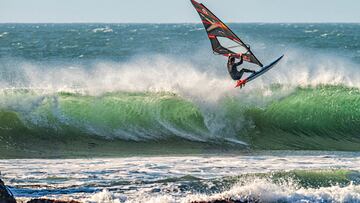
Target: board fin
{"type": "Point", "coordinates": [240, 83]}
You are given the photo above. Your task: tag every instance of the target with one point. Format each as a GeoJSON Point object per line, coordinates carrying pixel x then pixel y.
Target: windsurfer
{"type": "Point", "coordinates": [232, 68]}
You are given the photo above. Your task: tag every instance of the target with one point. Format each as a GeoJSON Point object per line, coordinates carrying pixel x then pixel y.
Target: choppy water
{"type": "Point", "coordinates": [307, 177]}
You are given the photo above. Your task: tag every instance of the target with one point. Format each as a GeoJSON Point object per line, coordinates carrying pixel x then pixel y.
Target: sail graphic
{"type": "Point", "coordinates": [223, 40]}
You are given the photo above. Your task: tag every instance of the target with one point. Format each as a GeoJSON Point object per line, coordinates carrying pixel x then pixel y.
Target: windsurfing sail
{"type": "Point", "coordinates": [223, 40]}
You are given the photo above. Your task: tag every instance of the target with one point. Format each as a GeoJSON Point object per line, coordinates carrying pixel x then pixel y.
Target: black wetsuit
{"type": "Point", "coordinates": [233, 71]}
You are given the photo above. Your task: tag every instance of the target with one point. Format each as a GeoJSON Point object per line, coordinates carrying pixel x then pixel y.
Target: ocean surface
{"type": "Point", "coordinates": [162, 109]}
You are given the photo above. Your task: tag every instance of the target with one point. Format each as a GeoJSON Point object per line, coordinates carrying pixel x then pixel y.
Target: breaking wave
{"type": "Point", "coordinates": [293, 186]}
{"type": "Point", "coordinates": [311, 106]}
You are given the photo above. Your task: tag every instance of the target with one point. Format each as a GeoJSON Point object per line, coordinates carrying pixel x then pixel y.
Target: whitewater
{"type": "Point", "coordinates": [162, 109]}
{"type": "Point", "coordinates": [261, 177]}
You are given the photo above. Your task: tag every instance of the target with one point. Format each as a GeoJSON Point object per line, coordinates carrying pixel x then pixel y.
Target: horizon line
{"type": "Point", "coordinates": [250, 22]}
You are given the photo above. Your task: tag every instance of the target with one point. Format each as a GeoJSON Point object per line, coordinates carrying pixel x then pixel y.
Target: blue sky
{"type": "Point", "coordinates": [177, 11]}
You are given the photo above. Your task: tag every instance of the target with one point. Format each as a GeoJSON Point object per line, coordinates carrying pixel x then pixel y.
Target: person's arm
{"type": "Point", "coordinates": [240, 62]}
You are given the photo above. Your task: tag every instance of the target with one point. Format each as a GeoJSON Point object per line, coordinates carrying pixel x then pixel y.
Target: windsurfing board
{"type": "Point", "coordinates": [263, 70]}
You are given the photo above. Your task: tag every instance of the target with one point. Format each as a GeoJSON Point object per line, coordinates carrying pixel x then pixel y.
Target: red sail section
{"type": "Point", "coordinates": [223, 40]}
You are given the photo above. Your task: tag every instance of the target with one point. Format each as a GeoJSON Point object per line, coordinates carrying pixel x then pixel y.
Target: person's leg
{"type": "Point", "coordinates": [248, 71]}
{"type": "Point", "coordinates": [239, 74]}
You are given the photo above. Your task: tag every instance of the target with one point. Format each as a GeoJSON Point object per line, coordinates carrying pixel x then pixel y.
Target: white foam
{"type": "Point", "coordinates": [103, 29]}
{"type": "Point", "coordinates": [309, 68]}
{"type": "Point", "coordinates": [311, 31]}
{"type": "Point", "coordinates": [154, 74]}
{"type": "Point", "coordinates": [3, 34]}
{"type": "Point", "coordinates": [263, 190]}
{"type": "Point", "coordinates": [180, 76]}
{"type": "Point", "coordinates": [105, 197]}
{"type": "Point", "coordinates": [102, 173]}
{"type": "Point", "coordinates": [253, 190]}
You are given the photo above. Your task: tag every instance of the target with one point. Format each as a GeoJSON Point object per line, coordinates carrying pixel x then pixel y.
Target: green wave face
{"type": "Point", "coordinates": [320, 118]}
{"type": "Point", "coordinates": [72, 124]}
{"type": "Point", "coordinates": [132, 116]}
{"type": "Point", "coordinates": [322, 109]}
{"type": "Point", "coordinates": [325, 117]}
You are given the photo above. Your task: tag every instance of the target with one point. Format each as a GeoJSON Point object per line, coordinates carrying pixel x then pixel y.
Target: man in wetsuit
{"type": "Point", "coordinates": [233, 71]}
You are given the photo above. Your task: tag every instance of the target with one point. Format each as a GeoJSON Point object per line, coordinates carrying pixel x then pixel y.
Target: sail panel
{"type": "Point", "coordinates": [223, 40]}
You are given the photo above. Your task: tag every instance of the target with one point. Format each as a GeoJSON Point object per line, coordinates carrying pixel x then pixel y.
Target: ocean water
{"type": "Point", "coordinates": [156, 101]}
{"type": "Point", "coordinates": [264, 177]}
